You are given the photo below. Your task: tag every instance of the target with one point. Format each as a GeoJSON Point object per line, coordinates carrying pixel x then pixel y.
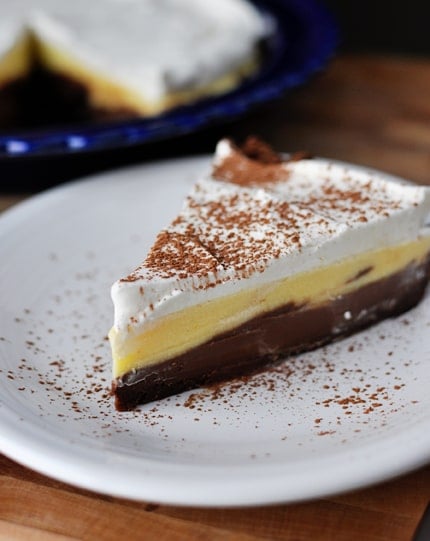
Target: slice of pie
{"type": "Point", "coordinates": [269, 257]}
{"type": "Point", "coordinates": [132, 56]}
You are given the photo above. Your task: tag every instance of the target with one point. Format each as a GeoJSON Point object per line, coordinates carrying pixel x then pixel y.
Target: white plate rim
{"type": "Point", "coordinates": [167, 485]}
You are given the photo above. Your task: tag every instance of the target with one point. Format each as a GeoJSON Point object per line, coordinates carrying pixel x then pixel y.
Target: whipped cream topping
{"type": "Point", "coordinates": [288, 218]}
{"type": "Point", "coordinates": [153, 46]}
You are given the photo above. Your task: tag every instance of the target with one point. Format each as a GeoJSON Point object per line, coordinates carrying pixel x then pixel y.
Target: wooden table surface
{"type": "Point", "coordinates": [369, 110]}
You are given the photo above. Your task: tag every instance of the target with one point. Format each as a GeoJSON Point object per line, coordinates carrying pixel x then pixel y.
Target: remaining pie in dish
{"type": "Point", "coordinates": [137, 56]}
{"type": "Point", "coordinates": [268, 257]}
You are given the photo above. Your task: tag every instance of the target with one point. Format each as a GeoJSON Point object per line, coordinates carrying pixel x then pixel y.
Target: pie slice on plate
{"type": "Point", "coordinates": [269, 257]}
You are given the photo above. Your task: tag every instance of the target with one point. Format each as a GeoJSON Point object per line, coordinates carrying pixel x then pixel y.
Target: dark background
{"type": "Point", "coordinates": [384, 26]}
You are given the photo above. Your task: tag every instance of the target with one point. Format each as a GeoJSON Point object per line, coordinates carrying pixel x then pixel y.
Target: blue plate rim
{"type": "Point", "coordinates": [322, 37]}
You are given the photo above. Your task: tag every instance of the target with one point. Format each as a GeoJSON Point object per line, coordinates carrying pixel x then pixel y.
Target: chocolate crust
{"type": "Point", "coordinates": [45, 98]}
{"type": "Point", "coordinates": [265, 339]}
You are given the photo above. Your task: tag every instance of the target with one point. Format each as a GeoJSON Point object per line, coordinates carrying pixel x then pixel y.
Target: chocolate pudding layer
{"type": "Point", "coordinates": [268, 338]}
{"type": "Point", "coordinates": [45, 98]}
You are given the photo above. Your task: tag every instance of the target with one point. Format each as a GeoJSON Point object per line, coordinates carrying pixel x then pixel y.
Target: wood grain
{"type": "Point", "coordinates": [31, 501]}
{"type": "Point", "coordinates": [369, 110]}
{"type": "Point", "coordinates": [7, 201]}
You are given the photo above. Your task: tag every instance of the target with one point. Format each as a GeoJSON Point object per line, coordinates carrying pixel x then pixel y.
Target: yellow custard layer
{"type": "Point", "coordinates": [17, 62]}
{"type": "Point", "coordinates": [181, 331]}
{"type": "Point", "coordinates": [105, 92]}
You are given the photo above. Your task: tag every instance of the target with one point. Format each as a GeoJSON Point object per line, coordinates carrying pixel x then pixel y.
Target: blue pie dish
{"type": "Point", "coordinates": [303, 39]}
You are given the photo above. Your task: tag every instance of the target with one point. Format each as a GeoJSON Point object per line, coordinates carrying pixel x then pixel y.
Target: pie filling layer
{"type": "Point", "coordinates": [143, 56]}
{"type": "Point", "coordinates": [177, 333]}
{"type": "Point", "coordinates": [36, 74]}
{"type": "Point", "coordinates": [291, 329]}
{"type": "Point", "coordinates": [267, 257]}
{"type": "Point", "coordinates": [107, 94]}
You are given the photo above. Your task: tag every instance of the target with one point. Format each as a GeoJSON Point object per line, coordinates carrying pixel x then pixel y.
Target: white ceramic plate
{"type": "Point", "coordinates": [338, 418]}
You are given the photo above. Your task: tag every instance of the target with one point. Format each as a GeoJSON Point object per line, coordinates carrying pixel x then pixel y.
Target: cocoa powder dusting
{"type": "Point", "coordinates": [255, 163]}
{"type": "Point", "coordinates": [226, 231]}
{"type": "Point", "coordinates": [248, 169]}
{"type": "Point", "coordinates": [256, 149]}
